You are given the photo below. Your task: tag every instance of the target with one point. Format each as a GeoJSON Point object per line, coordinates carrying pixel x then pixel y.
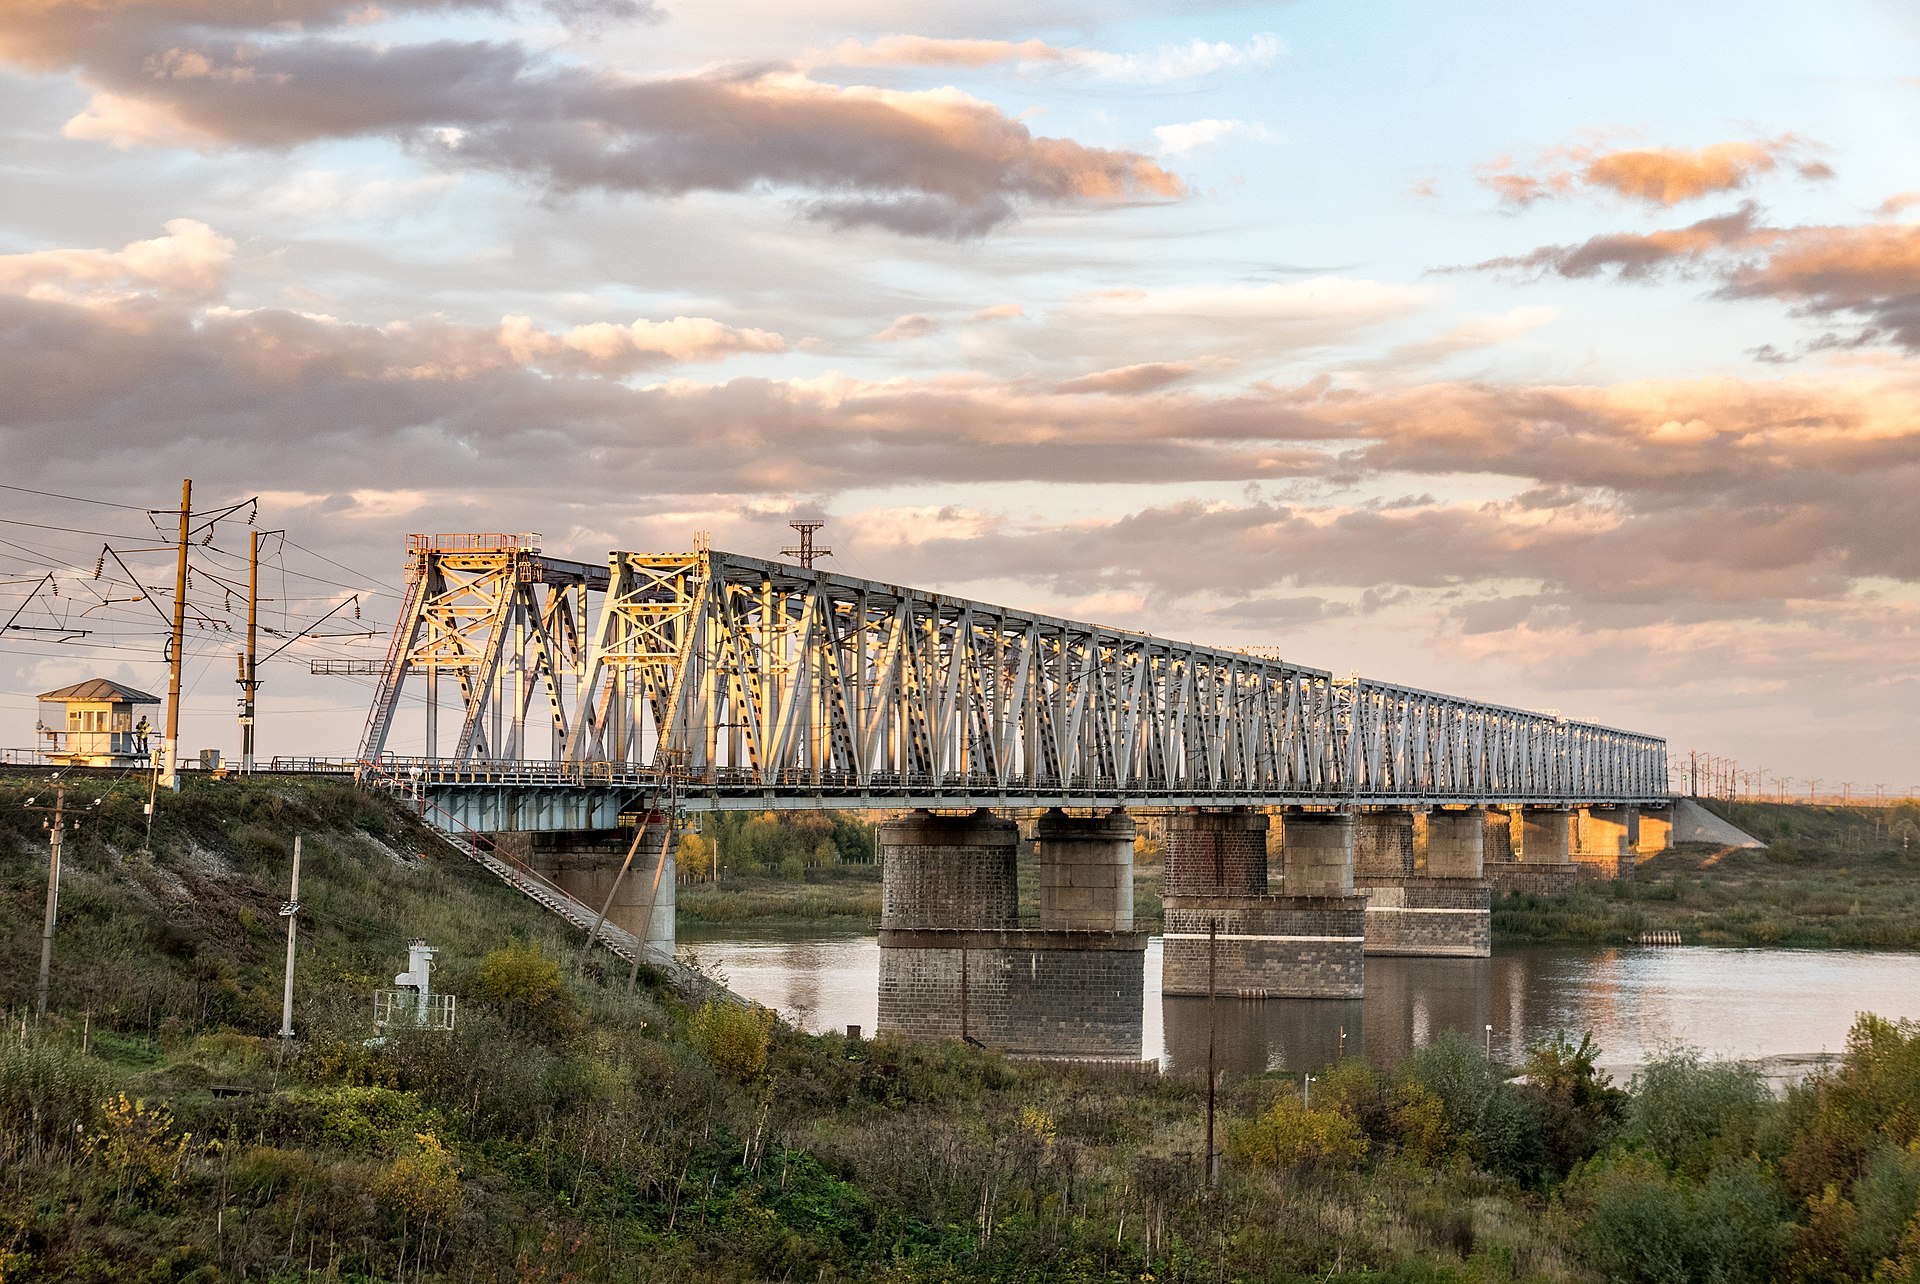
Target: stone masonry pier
{"type": "Point", "coordinates": [1443, 910]}
{"type": "Point", "coordinates": [1540, 854]}
{"type": "Point", "coordinates": [956, 963]}
{"type": "Point", "coordinates": [1303, 943]}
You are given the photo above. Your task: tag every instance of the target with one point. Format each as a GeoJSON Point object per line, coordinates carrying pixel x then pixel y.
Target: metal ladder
{"type": "Point", "coordinates": [523, 878]}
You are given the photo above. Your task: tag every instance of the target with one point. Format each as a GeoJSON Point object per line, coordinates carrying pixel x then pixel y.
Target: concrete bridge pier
{"type": "Point", "coordinates": [1656, 831]}
{"type": "Point", "coordinates": [1305, 942]}
{"type": "Point", "coordinates": [1605, 839]}
{"type": "Point", "coordinates": [1542, 865]}
{"type": "Point", "coordinates": [586, 863]}
{"type": "Point", "coordinates": [1444, 909]}
{"type": "Point", "coordinates": [956, 963]}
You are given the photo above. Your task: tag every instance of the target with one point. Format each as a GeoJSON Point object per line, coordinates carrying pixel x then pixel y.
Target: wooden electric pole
{"type": "Point", "coordinates": [56, 834]}
{"type": "Point", "coordinates": [250, 662]}
{"type": "Point", "coordinates": [1213, 950]}
{"type": "Point", "coordinates": [170, 747]}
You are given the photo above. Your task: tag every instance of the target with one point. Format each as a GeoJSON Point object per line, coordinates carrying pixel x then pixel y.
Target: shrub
{"type": "Point", "coordinates": [1691, 1112]}
{"type": "Point", "coordinates": [1290, 1135]}
{"type": "Point", "coordinates": [733, 1038]}
{"type": "Point", "coordinates": [138, 1145]}
{"type": "Point", "coordinates": [47, 1096]}
{"type": "Point", "coordinates": [1575, 1104]}
{"type": "Point", "coordinates": [1871, 1098]}
{"type": "Point", "coordinates": [1644, 1226]}
{"type": "Point", "coordinates": [423, 1185]}
{"type": "Point", "coordinates": [529, 991]}
{"type": "Point", "coordinates": [1476, 1107]}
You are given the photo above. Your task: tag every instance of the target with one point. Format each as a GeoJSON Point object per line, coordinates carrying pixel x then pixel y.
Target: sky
{"type": "Point", "coordinates": [1566, 358]}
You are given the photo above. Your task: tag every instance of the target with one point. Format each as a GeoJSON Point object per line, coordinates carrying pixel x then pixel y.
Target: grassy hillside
{"type": "Point", "coordinates": [569, 1131]}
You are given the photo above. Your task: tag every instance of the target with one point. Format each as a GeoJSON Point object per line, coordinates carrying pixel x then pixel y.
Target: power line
{"type": "Point", "coordinates": [78, 499]}
{"type": "Point", "coordinates": [75, 530]}
{"type": "Point", "coordinates": [370, 579]}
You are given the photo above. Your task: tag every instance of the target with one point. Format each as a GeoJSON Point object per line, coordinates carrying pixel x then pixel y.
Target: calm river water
{"type": "Point", "coordinates": [1781, 1007]}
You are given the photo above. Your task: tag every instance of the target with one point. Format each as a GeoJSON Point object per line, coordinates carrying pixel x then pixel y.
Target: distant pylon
{"type": "Point", "coordinates": [806, 552]}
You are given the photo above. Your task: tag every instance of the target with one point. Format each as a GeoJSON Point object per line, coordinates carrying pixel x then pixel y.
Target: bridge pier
{"type": "Point", "coordinates": [1656, 831]}
{"type": "Point", "coordinates": [1303, 943]}
{"type": "Point", "coordinates": [1605, 838]}
{"type": "Point", "coordinates": [955, 962]}
{"type": "Point", "coordinates": [1440, 911]}
{"type": "Point", "coordinates": [1086, 871]}
{"type": "Point", "coordinates": [585, 863]}
{"type": "Point", "coordinates": [1543, 866]}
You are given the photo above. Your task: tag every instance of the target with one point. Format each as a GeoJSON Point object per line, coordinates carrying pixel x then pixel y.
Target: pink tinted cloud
{"type": "Point", "coordinates": [1662, 176]}
{"type": "Point", "coordinates": [933, 163]}
{"type": "Point", "coordinates": [1867, 276]}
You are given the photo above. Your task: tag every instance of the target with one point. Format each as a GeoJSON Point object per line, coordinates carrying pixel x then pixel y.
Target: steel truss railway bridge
{"type": "Point", "coordinates": [559, 703]}
{"type": "Point", "coordinates": [758, 684]}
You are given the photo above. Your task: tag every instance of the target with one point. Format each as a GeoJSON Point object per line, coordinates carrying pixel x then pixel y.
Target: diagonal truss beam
{"type": "Point", "coordinates": [758, 674]}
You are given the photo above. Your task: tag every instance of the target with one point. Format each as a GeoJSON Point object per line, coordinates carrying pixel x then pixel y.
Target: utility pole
{"type": "Point", "coordinates": [56, 833]}
{"type": "Point", "coordinates": [291, 912]}
{"type": "Point", "coordinates": [249, 663]}
{"type": "Point", "coordinates": [1213, 949]}
{"type": "Point", "coordinates": [170, 747]}
{"type": "Point", "coordinates": [59, 828]}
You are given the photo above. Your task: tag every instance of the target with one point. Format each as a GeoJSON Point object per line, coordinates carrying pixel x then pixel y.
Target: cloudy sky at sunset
{"type": "Point", "coordinates": [1567, 361]}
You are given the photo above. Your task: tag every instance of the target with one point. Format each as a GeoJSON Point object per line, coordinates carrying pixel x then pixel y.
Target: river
{"type": "Point", "coordinates": [1782, 1008]}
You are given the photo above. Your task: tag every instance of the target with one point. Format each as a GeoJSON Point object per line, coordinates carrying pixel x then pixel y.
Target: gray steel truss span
{"type": "Point", "coordinates": [760, 684]}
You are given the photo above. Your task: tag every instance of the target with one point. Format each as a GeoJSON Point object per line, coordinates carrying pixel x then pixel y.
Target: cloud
{"type": "Point", "coordinates": [605, 348]}
{"type": "Point", "coordinates": [1000, 312]}
{"type": "Point", "coordinates": [913, 326]}
{"type": "Point", "coordinates": [1661, 176]}
{"type": "Point", "coordinates": [189, 262]}
{"type": "Point", "coordinates": [1147, 377]}
{"type": "Point", "coordinates": [1197, 135]}
{"type": "Point", "coordinates": [1167, 63]}
{"type": "Point", "coordinates": [48, 35]}
{"type": "Point", "coordinates": [1184, 62]}
{"type": "Point", "coordinates": [1471, 335]}
{"type": "Point", "coordinates": [1870, 273]}
{"type": "Point", "coordinates": [1866, 275]}
{"type": "Point", "coordinates": [1657, 500]}
{"type": "Point", "coordinates": [935, 163]}
{"type": "Point", "coordinates": [1639, 255]}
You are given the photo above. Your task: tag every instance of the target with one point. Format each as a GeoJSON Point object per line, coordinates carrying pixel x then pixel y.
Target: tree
{"type": "Point", "coordinates": [694, 856]}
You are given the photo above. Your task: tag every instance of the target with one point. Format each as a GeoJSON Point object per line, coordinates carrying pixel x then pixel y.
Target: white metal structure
{"type": "Point", "coordinates": [765, 684]}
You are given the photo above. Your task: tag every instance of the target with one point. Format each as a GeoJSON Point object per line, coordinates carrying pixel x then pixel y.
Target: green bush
{"type": "Point", "coordinates": [1289, 1135]}
{"type": "Point", "coordinates": [733, 1038]}
{"type": "Point", "coordinates": [48, 1095]}
{"type": "Point", "coordinates": [1642, 1226]}
{"type": "Point", "coordinates": [527, 989]}
{"type": "Point", "coordinates": [1476, 1106]}
{"type": "Point", "coordinates": [1691, 1113]}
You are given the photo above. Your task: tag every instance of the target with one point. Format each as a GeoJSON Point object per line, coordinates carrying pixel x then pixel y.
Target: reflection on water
{"type": "Point", "coordinates": [1748, 1004]}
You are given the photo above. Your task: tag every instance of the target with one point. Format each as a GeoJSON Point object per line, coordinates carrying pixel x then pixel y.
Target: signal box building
{"type": "Point", "coordinates": [95, 724]}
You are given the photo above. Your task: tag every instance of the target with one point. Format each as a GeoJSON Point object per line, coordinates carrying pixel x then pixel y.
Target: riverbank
{"type": "Point", "coordinates": [1830, 877]}
{"type": "Point", "coordinates": [1810, 897]}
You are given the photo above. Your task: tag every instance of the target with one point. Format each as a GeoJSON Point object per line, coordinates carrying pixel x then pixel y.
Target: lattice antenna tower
{"type": "Point", "coordinates": [806, 552]}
